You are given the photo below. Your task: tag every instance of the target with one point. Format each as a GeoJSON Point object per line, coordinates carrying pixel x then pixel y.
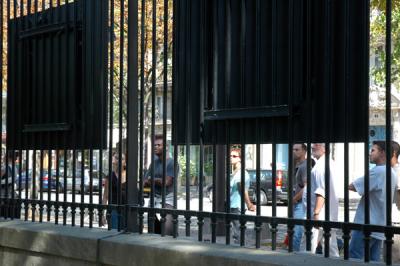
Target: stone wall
{"type": "Point", "coordinates": [27, 243]}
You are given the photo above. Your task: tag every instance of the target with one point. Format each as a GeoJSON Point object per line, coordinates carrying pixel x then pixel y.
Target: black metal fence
{"type": "Point", "coordinates": [117, 113]}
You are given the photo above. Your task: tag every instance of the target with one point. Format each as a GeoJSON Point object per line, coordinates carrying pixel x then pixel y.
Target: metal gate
{"type": "Point", "coordinates": [122, 113]}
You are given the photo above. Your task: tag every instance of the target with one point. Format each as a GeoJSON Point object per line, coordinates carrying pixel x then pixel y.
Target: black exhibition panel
{"type": "Point", "coordinates": [57, 93]}
{"type": "Point", "coordinates": [271, 62]}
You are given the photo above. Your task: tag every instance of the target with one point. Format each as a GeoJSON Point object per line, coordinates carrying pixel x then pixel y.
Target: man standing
{"type": "Point", "coordinates": [300, 180]}
{"type": "Point", "coordinates": [235, 193]}
{"type": "Point", "coordinates": [158, 183]}
{"type": "Point", "coordinates": [377, 202]}
{"type": "Point", "coordinates": [318, 198]}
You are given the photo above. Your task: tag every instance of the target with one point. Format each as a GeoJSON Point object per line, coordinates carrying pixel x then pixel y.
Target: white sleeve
{"type": "Point", "coordinates": [359, 185]}
{"type": "Point", "coordinates": [319, 183]}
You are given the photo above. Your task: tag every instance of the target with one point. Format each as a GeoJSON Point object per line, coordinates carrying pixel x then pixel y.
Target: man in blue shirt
{"type": "Point", "coordinates": [235, 193]}
{"type": "Point", "coordinates": [377, 203]}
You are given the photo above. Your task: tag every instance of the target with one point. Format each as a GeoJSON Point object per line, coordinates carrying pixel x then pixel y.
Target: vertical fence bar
{"type": "Point", "coordinates": [111, 116]}
{"type": "Point", "coordinates": [57, 206]}
{"type": "Point", "coordinates": [152, 214]}
{"type": "Point", "coordinates": [23, 82]}
{"type": "Point", "coordinates": [41, 176]}
{"type": "Point", "coordinates": [27, 176]}
{"type": "Point", "coordinates": [132, 120]}
{"type": "Point", "coordinates": [290, 126]}
{"type": "Point", "coordinates": [308, 232]}
{"type": "Point", "coordinates": [75, 135]}
{"type": "Point", "coordinates": [274, 88]}
{"type": "Point", "coordinates": [92, 70]}
{"type": "Point", "coordinates": [142, 125]}
{"type": "Point", "coordinates": [164, 115]}
{"type": "Point", "coordinates": [346, 230]}
{"type": "Point", "coordinates": [82, 189]}
{"type": "Point", "coordinates": [49, 95]}
{"type": "Point", "coordinates": [203, 70]}
{"type": "Point", "coordinates": [67, 83]}
{"type": "Point", "coordinates": [73, 205]}
{"type": "Point", "coordinates": [15, 74]}
{"type": "Point", "coordinates": [1, 99]}
{"type": "Point", "coordinates": [64, 205]}
{"type": "Point", "coordinates": [388, 82]}
{"type": "Point", "coordinates": [120, 109]}
{"type": "Point", "coordinates": [367, 232]}
{"type": "Point", "coordinates": [242, 56]}
{"type": "Point", "coordinates": [49, 175]}
{"type": "Point", "coordinates": [188, 118]}
{"type": "Point", "coordinates": [34, 195]}
{"type": "Point", "coordinates": [258, 137]}
{"type": "Point", "coordinates": [175, 108]}
{"type": "Point", "coordinates": [58, 78]}
{"type": "Point", "coordinates": [328, 87]}
{"type": "Point", "coordinates": [91, 187]}
{"type": "Point", "coordinates": [85, 65]}
{"type": "Point", "coordinates": [228, 60]}
{"type": "Point", "coordinates": [213, 129]}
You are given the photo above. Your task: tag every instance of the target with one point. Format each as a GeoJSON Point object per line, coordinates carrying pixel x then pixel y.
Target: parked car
{"type": "Point", "coordinates": [266, 186]}
{"type": "Point", "coordinates": [86, 184]}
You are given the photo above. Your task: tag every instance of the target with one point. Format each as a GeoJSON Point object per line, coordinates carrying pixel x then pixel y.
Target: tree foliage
{"type": "Point", "coordinates": [378, 42]}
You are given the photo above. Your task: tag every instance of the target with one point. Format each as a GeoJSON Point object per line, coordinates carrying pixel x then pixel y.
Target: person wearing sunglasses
{"type": "Point", "coordinates": [236, 191]}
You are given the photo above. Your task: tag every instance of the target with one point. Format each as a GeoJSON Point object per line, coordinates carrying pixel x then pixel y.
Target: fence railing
{"type": "Point", "coordinates": [201, 118]}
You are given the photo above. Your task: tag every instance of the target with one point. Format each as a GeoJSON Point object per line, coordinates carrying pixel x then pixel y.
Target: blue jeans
{"type": "Point", "coordinates": [298, 213]}
{"type": "Point", "coordinates": [115, 218]}
{"type": "Point", "coordinates": [357, 246]}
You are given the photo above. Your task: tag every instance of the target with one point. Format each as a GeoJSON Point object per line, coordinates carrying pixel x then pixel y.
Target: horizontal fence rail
{"type": "Point", "coordinates": [266, 124]}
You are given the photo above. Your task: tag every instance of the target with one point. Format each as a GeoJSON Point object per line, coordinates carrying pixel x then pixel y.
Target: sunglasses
{"type": "Point", "coordinates": [235, 156]}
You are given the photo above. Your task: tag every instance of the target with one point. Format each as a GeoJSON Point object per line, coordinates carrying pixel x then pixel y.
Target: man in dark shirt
{"type": "Point", "coordinates": [300, 175]}
{"type": "Point", "coordinates": [158, 183]}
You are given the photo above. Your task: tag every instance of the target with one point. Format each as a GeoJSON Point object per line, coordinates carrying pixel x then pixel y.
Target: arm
{"type": "Point", "coordinates": [158, 181]}
{"type": "Point", "coordinates": [250, 205]}
{"type": "Point", "coordinates": [298, 196]}
{"type": "Point", "coordinates": [105, 194]}
{"type": "Point", "coordinates": [319, 203]}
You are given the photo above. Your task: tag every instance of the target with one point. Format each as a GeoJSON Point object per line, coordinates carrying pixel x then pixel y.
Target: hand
{"type": "Point", "coordinates": [251, 207]}
{"type": "Point", "coordinates": [294, 201]}
{"type": "Point", "coordinates": [316, 217]}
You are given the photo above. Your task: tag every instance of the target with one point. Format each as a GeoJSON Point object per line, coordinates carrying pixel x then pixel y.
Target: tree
{"type": "Point", "coordinates": [377, 41]}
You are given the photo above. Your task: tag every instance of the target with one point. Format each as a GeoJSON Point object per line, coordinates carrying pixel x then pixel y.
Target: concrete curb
{"type": "Point", "coordinates": [27, 243]}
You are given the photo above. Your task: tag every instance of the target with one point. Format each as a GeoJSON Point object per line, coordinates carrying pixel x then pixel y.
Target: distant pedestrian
{"type": "Point", "coordinates": [300, 180]}
{"type": "Point", "coordinates": [377, 203]}
{"type": "Point", "coordinates": [318, 195]}
{"type": "Point", "coordinates": [235, 193]}
{"type": "Point", "coordinates": [158, 183]}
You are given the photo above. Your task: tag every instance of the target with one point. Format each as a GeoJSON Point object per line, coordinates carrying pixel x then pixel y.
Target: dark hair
{"type": "Point", "coordinates": [159, 136]}
{"type": "Point", "coordinates": [303, 146]}
{"type": "Point", "coordinates": [395, 148]}
{"type": "Point", "coordinates": [382, 146]}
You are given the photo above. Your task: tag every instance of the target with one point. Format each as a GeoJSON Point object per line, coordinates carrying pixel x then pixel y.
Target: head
{"type": "Point", "coordinates": [158, 145]}
{"type": "Point", "coordinates": [299, 152]}
{"type": "Point", "coordinates": [318, 150]}
{"type": "Point", "coordinates": [395, 153]}
{"type": "Point", "coordinates": [235, 157]}
{"type": "Point", "coordinates": [377, 154]}
{"type": "Point", "coordinates": [115, 161]}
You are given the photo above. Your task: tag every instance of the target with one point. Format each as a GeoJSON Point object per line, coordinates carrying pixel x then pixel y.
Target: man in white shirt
{"type": "Point", "coordinates": [377, 203]}
{"type": "Point", "coordinates": [318, 198]}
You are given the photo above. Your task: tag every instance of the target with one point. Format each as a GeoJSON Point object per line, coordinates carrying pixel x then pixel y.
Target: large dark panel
{"type": "Point", "coordinates": [56, 95]}
{"type": "Point", "coordinates": [248, 66]}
